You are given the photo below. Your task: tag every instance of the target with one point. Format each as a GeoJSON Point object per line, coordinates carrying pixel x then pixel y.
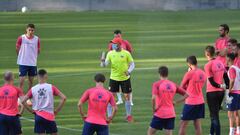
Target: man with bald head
{"type": "Point", "coordinates": [9, 117]}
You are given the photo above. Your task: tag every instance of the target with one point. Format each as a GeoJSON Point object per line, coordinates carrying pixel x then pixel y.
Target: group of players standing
{"type": "Point", "coordinates": [222, 74]}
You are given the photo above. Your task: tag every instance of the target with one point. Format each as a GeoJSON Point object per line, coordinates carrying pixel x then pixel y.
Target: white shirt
{"type": "Point", "coordinates": [28, 51]}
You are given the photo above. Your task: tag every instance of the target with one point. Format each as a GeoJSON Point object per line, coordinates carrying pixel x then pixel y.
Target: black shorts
{"type": "Point", "coordinates": [214, 100]}
{"type": "Point", "coordinates": [125, 86]}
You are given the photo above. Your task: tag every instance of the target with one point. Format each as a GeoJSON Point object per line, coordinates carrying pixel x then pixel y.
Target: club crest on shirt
{"type": "Point", "coordinates": [168, 87]}
{"type": "Point", "coordinates": [201, 77]}
{"type": "Point", "coordinates": [6, 92]}
{"type": "Point", "coordinates": [100, 95]}
{"type": "Point", "coordinates": [218, 65]}
{"type": "Point", "coordinates": [42, 93]}
{"type": "Point", "coordinates": [122, 56]}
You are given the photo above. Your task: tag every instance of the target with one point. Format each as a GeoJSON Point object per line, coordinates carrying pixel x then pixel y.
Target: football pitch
{"type": "Point", "coordinates": [72, 42]}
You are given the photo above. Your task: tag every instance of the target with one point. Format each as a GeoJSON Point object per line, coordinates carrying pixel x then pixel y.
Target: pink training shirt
{"type": "Point", "coordinates": [193, 81]}
{"type": "Point", "coordinates": [125, 45]}
{"type": "Point", "coordinates": [98, 99]}
{"type": "Point", "coordinates": [42, 100]}
{"type": "Point", "coordinates": [237, 62]}
{"type": "Point", "coordinates": [221, 44]}
{"type": "Point", "coordinates": [164, 90]}
{"type": "Point", "coordinates": [214, 68]}
{"type": "Point", "coordinates": [9, 95]}
{"type": "Point", "coordinates": [232, 74]}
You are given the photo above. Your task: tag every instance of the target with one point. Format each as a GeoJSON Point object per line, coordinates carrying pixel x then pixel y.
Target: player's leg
{"type": "Point", "coordinates": [102, 130]}
{"type": "Point", "coordinates": [22, 75]}
{"type": "Point", "coordinates": [151, 131]}
{"type": "Point", "coordinates": [32, 72]}
{"type": "Point", "coordinates": [156, 124]}
{"type": "Point", "coordinates": [214, 100]}
{"type": "Point", "coordinates": [88, 129]}
{"type": "Point", "coordinates": [182, 127]}
{"type": "Point", "coordinates": [236, 114]}
{"type": "Point", "coordinates": [4, 126]}
{"type": "Point", "coordinates": [127, 89]}
{"type": "Point", "coordinates": [231, 122]}
{"type": "Point", "coordinates": [197, 126]}
{"type": "Point", "coordinates": [169, 125]}
{"type": "Point", "coordinates": [39, 125]}
{"type": "Point", "coordinates": [131, 98]}
{"type": "Point", "coordinates": [51, 127]}
{"type": "Point", "coordinates": [119, 97]}
{"type": "Point", "coordinates": [168, 132]}
{"type": "Point", "coordinates": [113, 88]}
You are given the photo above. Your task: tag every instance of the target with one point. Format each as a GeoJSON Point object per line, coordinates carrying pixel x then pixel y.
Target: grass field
{"type": "Point", "coordinates": [73, 41]}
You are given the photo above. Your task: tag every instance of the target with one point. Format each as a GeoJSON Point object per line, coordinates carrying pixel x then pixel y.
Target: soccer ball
{"type": "Point", "coordinates": [24, 9]}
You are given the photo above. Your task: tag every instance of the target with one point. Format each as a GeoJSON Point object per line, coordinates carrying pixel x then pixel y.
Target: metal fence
{"type": "Point", "coordinates": [85, 5]}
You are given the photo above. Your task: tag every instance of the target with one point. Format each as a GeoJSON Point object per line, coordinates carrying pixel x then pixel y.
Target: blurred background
{"type": "Point", "coordinates": [86, 5]}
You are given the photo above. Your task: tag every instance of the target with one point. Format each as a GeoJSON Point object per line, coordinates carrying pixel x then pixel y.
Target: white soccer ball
{"type": "Point", "coordinates": [24, 9]}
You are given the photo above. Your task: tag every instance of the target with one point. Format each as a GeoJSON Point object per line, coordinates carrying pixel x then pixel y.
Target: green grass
{"type": "Point", "coordinates": [73, 41]}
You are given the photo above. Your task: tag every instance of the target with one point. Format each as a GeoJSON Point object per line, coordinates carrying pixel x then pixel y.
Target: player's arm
{"type": "Point", "coordinates": [232, 77]}
{"type": "Point", "coordinates": [129, 46]}
{"type": "Point", "coordinates": [154, 95]}
{"type": "Point", "coordinates": [20, 105]}
{"type": "Point", "coordinates": [131, 64]}
{"type": "Point", "coordinates": [18, 44]}
{"type": "Point", "coordinates": [130, 68]}
{"type": "Point", "coordinates": [182, 92]}
{"type": "Point", "coordinates": [154, 103]}
{"type": "Point", "coordinates": [83, 99]}
{"type": "Point", "coordinates": [39, 46]}
{"type": "Point", "coordinates": [114, 109]}
{"type": "Point", "coordinates": [24, 100]}
{"type": "Point", "coordinates": [61, 103]}
{"type": "Point", "coordinates": [185, 80]}
{"type": "Point", "coordinates": [105, 62]}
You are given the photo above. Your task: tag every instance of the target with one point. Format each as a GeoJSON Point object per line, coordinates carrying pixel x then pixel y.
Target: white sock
{"type": "Point", "coordinates": [119, 96]}
{"type": "Point", "coordinates": [238, 130]}
{"type": "Point", "coordinates": [131, 99]}
{"type": "Point", "coordinates": [231, 132]}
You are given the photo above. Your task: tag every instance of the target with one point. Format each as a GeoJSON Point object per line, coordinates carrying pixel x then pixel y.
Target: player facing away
{"type": "Point", "coordinates": [233, 105]}
{"type": "Point", "coordinates": [163, 92]}
{"type": "Point", "coordinates": [27, 48]}
{"type": "Point", "coordinates": [98, 99]}
{"type": "Point", "coordinates": [9, 118]}
{"type": "Point", "coordinates": [125, 44]}
{"type": "Point", "coordinates": [193, 81]}
{"type": "Point", "coordinates": [42, 96]}
{"type": "Point", "coordinates": [221, 43]}
{"type": "Point", "coordinates": [215, 71]}
{"type": "Point", "coordinates": [121, 67]}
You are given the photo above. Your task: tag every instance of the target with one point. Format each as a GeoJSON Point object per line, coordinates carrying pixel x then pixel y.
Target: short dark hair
{"type": "Point", "coordinates": [210, 50]}
{"type": "Point", "coordinates": [163, 71]}
{"type": "Point", "coordinates": [117, 32]}
{"type": "Point", "coordinates": [30, 25]}
{"type": "Point", "coordinates": [8, 76]}
{"type": "Point", "coordinates": [233, 41]}
{"type": "Point", "coordinates": [231, 56]}
{"type": "Point", "coordinates": [99, 78]}
{"type": "Point", "coordinates": [42, 72]}
{"type": "Point", "coordinates": [225, 27]}
{"type": "Point", "coordinates": [192, 60]}
{"type": "Point", "coordinates": [238, 45]}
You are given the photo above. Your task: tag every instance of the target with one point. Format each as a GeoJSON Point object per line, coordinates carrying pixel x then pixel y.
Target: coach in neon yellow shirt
{"type": "Point", "coordinates": [121, 67]}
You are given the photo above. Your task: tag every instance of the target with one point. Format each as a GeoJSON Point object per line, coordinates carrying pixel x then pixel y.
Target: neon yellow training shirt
{"type": "Point", "coordinates": [119, 64]}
